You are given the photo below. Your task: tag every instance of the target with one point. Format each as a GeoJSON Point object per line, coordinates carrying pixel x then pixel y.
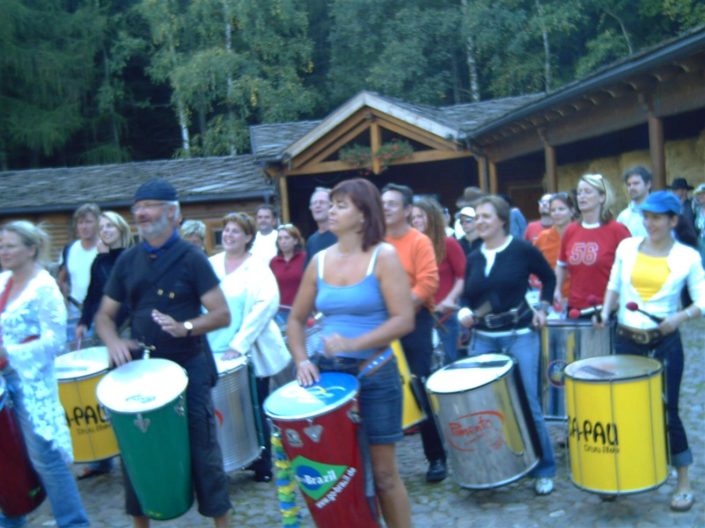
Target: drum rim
{"type": "Point", "coordinates": [321, 411]}
{"type": "Point", "coordinates": [147, 409]}
{"type": "Point", "coordinates": [511, 359]}
{"type": "Point", "coordinates": [92, 374]}
{"type": "Point", "coordinates": [658, 369]}
{"type": "Point", "coordinates": [573, 323]}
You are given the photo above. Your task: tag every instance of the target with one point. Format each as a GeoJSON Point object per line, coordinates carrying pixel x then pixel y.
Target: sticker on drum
{"type": "Point", "coordinates": [142, 385]}
{"type": "Point", "coordinates": [294, 402]}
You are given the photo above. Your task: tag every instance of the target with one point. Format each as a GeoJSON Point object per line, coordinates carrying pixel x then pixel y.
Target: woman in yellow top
{"type": "Point", "coordinates": [649, 273]}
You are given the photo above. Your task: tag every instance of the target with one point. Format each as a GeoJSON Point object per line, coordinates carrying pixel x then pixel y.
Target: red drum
{"type": "Point", "coordinates": [20, 489]}
{"type": "Point", "coordinates": [318, 426]}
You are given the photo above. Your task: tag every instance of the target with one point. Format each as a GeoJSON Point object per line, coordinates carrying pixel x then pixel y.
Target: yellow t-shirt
{"type": "Point", "coordinates": [649, 275]}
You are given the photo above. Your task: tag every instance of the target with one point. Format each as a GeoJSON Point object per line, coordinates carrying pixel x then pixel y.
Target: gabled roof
{"type": "Point", "coordinates": [196, 180]}
{"type": "Point", "coordinates": [279, 141]}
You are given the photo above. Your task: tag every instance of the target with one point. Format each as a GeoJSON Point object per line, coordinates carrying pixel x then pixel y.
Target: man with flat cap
{"type": "Point", "coordinates": [165, 280]}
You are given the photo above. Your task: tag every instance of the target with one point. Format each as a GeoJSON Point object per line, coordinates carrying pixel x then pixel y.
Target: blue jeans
{"type": "Point", "coordinates": [55, 475]}
{"type": "Point", "coordinates": [525, 349]}
{"type": "Point", "coordinates": [448, 332]}
{"type": "Point", "coordinates": [669, 351]}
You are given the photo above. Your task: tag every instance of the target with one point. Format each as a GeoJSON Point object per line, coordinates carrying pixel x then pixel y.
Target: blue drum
{"type": "Point", "coordinates": [319, 426]}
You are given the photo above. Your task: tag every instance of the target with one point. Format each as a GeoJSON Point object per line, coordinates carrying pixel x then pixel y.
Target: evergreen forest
{"type": "Point", "coordinates": [105, 81]}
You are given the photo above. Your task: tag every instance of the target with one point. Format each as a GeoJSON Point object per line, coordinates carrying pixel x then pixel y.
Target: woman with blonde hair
{"type": "Point", "coordinates": [588, 246]}
{"type": "Point", "coordinates": [115, 234]}
{"type": "Point", "coordinates": [32, 333]}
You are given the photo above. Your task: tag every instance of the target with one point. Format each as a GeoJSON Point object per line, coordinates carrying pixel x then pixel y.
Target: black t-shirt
{"type": "Point", "coordinates": [317, 242]}
{"type": "Point", "coordinates": [177, 292]}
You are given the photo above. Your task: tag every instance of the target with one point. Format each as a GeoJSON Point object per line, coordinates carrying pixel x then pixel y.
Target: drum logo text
{"type": "Point", "coordinates": [477, 431]}
{"type": "Point", "coordinates": [88, 419]}
{"type": "Point", "coordinates": [321, 482]}
{"type": "Point", "coordinates": [597, 437]}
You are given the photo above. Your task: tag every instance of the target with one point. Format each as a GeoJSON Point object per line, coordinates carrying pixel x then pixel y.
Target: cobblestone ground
{"type": "Point", "coordinates": [447, 505]}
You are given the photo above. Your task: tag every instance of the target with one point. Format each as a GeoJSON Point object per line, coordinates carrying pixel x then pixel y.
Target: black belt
{"type": "Point", "coordinates": [640, 337]}
{"type": "Point", "coordinates": [509, 318]}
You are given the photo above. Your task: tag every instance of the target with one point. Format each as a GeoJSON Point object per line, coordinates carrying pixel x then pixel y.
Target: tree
{"type": "Point", "coordinates": [44, 49]}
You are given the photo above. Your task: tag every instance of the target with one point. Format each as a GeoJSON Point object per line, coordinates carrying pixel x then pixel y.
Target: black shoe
{"type": "Point", "coordinates": [436, 471]}
{"type": "Point", "coordinates": [262, 476]}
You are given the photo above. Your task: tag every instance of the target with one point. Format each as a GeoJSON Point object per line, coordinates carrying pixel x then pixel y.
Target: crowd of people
{"type": "Point", "coordinates": [381, 265]}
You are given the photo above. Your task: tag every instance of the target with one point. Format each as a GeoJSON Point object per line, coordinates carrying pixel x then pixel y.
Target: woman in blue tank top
{"type": "Point", "coordinates": [360, 287]}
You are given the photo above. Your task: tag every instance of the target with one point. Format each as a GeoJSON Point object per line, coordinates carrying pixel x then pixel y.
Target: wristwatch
{"type": "Point", "coordinates": [188, 325]}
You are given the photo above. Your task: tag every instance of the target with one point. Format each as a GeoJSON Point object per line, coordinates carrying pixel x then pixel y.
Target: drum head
{"type": "Point", "coordinates": [616, 367]}
{"type": "Point", "coordinates": [81, 363]}
{"type": "Point", "coordinates": [470, 373]}
{"type": "Point", "coordinates": [142, 385]}
{"type": "Point", "coordinates": [294, 402]}
{"type": "Point", "coordinates": [228, 365]}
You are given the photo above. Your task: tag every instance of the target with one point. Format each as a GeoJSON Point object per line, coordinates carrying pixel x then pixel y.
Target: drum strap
{"type": "Point", "coordinates": [374, 363]}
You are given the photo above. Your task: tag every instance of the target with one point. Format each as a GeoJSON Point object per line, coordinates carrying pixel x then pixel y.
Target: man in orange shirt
{"type": "Point", "coordinates": [416, 254]}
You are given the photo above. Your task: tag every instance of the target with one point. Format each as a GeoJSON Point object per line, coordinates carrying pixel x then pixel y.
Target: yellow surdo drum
{"type": "Point", "coordinates": [616, 424]}
{"type": "Point", "coordinates": [412, 413]}
{"type": "Point", "coordinates": [78, 374]}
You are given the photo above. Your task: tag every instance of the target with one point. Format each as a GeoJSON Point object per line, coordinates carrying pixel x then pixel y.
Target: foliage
{"type": "Point", "coordinates": [97, 81]}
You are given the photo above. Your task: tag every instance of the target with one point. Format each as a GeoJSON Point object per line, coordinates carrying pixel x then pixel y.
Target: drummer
{"type": "Point", "coordinates": [165, 280]}
{"type": "Point", "coordinates": [495, 287]}
{"type": "Point", "coordinates": [30, 301]}
{"type": "Point", "coordinates": [651, 272]}
{"type": "Point", "coordinates": [360, 287]}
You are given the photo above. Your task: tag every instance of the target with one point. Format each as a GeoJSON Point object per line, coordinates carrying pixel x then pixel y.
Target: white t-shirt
{"type": "Point", "coordinates": [78, 266]}
{"type": "Point", "coordinates": [264, 248]}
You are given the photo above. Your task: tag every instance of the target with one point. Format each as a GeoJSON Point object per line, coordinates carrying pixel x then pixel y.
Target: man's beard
{"type": "Point", "coordinates": [157, 227]}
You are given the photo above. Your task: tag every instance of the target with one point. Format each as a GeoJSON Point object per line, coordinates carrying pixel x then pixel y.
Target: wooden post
{"type": "Point", "coordinates": [284, 195]}
{"type": "Point", "coordinates": [482, 179]}
{"type": "Point", "coordinates": [375, 144]}
{"type": "Point", "coordinates": [657, 151]}
{"type": "Point", "coordinates": [494, 186]}
{"type": "Point", "coordinates": [549, 154]}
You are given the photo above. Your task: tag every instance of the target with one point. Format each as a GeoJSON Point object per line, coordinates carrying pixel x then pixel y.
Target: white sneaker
{"type": "Point", "coordinates": [543, 486]}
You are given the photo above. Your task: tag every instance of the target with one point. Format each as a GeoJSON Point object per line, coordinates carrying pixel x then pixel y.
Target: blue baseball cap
{"type": "Point", "coordinates": [661, 202]}
{"type": "Point", "coordinates": [156, 189]}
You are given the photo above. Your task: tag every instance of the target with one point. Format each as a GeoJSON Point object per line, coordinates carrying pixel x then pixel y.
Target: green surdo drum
{"type": "Point", "coordinates": [146, 401]}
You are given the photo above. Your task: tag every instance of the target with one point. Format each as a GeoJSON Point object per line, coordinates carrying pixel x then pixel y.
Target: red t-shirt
{"type": "Point", "coordinates": [451, 269]}
{"type": "Point", "coordinates": [533, 230]}
{"type": "Point", "coordinates": [589, 254]}
{"type": "Point", "coordinates": [288, 275]}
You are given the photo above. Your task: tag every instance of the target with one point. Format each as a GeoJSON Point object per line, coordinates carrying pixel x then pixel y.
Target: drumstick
{"type": "Point", "coordinates": [634, 307]}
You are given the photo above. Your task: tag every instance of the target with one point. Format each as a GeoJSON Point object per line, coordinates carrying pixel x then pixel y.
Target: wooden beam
{"type": "Point", "coordinates": [549, 155]}
{"type": "Point", "coordinates": [657, 151]}
{"type": "Point", "coordinates": [336, 145]}
{"type": "Point", "coordinates": [494, 185]}
{"type": "Point", "coordinates": [375, 144]}
{"type": "Point", "coordinates": [284, 196]}
{"type": "Point", "coordinates": [482, 173]}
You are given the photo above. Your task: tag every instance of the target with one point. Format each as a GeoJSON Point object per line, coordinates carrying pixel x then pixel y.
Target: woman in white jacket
{"type": "Point", "coordinates": [252, 295]}
{"type": "Point", "coordinates": [649, 273]}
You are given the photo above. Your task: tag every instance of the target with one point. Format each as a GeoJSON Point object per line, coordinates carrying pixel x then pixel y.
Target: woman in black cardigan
{"type": "Point", "coordinates": [496, 281]}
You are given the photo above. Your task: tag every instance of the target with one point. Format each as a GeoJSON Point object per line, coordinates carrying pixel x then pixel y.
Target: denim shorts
{"type": "Point", "coordinates": [380, 397]}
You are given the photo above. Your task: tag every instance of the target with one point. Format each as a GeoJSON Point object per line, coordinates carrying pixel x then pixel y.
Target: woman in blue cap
{"type": "Point", "coordinates": [649, 273]}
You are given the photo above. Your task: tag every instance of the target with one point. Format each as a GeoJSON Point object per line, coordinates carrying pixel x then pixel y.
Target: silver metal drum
{"type": "Point", "coordinates": [484, 416]}
{"type": "Point", "coordinates": [562, 342]}
{"type": "Point", "coordinates": [235, 414]}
